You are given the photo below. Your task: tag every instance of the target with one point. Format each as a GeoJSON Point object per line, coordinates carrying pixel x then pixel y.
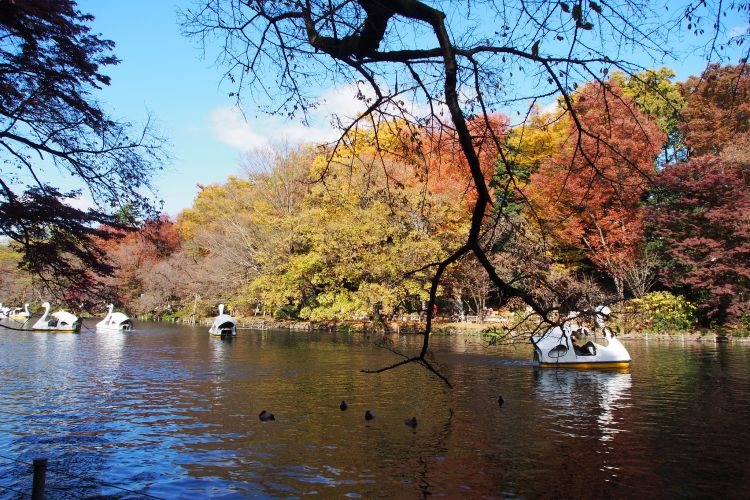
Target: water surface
{"type": "Point", "coordinates": [171, 412]}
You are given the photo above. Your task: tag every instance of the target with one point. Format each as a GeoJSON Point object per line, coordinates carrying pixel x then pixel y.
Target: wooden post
{"type": "Point", "coordinates": [40, 475]}
{"type": "Point", "coordinates": [195, 309]}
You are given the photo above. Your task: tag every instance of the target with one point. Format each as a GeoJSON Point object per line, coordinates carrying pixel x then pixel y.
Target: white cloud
{"type": "Point", "coordinates": [231, 128]}
{"type": "Point", "coordinates": [738, 31]}
{"type": "Point", "coordinates": [346, 102]}
{"type": "Point", "coordinates": [297, 133]}
{"type": "Point", "coordinates": [341, 101]}
{"type": "Point", "coordinates": [550, 107]}
{"type": "Point", "coordinates": [81, 202]}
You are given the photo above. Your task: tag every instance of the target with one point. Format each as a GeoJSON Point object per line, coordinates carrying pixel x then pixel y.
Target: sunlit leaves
{"type": "Point", "coordinates": [718, 108]}
{"type": "Point", "coordinates": [359, 238]}
{"type": "Point", "coordinates": [588, 194]}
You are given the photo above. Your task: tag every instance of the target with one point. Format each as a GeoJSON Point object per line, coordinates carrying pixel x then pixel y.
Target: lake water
{"type": "Point", "coordinates": [171, 412]}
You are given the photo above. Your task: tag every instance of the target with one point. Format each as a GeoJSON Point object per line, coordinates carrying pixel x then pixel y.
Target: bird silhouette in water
{"type": "Point", "coordinates": [369, 415]}
{"type": "Point", "coordinates": [266, 416]}
{"type": "Point", "coordinates": [343, 406]}
{"type": "Point", "coordinates": [500, 400]}
{"type": "Point", "coordinates": [411, 422]}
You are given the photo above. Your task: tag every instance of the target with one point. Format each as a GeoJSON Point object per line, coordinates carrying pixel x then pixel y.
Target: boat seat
{"type": "Point", "coordinates": [584, 351]}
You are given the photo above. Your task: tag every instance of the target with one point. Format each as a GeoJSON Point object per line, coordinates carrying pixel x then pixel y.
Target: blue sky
{"type": "Point", "coordinates": [163, 73]}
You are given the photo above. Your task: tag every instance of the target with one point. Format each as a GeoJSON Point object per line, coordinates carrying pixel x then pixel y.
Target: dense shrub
{"type": "Point", "coordinates": [664, 312]}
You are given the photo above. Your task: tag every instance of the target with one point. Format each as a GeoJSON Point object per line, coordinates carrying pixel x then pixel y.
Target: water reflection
{"type": "Point", "coordinates": [110, 346]}
{"type": "Point", "coordinates": [581, 398]}
{"type": "Point", "coordinates": [173, 412]}
{"type": "Point", "coordinates": [220, 350]}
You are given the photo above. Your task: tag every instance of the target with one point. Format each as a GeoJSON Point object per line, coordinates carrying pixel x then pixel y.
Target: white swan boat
{"type": "Point", "coordinates": [20, 314]}
{"type": "Point", "coordinates": [59, 321]}
{"type": "Point", "coordinates": [557, 347]}
{"type": "Point", "coordinates": [4, 311]}
{"type": "Point", "coordinates": [223, 325]}
{"type": "Point", "coordinates": [116, 321]}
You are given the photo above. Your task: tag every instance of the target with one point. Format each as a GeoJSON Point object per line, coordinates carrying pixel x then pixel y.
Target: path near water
{"type": "Point", "coordinates": [170, 412]}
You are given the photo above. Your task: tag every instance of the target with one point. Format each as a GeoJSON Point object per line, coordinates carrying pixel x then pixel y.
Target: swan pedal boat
{"type": "Point", "coordinates": [59, 321]}
{"type": "Point", "coordinates": [224, 325]}
{"type": "Point", "coordinates": [20, 314]}
{"type": "Point", "coordinates": [115, 321]}
{"type": "Point", "coordinates": [555, 349]}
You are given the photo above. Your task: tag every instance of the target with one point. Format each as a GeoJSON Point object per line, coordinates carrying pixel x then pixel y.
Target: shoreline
{"type": "Point", "coordinates": [475, 329]}
{"type": "Point", "coordinates": [449, 328]}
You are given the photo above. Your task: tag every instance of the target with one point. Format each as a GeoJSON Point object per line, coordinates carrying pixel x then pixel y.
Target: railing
{"type": "Point", "coordinates": [39, 469]}
{"type": "Point", "coordinates": [259, 324]}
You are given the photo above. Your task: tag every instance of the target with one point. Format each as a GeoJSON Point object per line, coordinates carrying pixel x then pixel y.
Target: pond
{"type": "Point", "coordinates": [171, 412]}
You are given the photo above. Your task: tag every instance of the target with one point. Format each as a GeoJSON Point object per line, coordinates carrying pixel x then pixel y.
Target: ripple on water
{"type": "Point", "coordinates": [169, 412]}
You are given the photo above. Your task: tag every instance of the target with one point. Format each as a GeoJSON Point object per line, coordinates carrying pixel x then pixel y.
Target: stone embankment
{"type": "Point", "coordinates": [446, 328]}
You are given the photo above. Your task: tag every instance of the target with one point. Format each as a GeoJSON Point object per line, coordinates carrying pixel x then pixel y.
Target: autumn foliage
{"type": "Point", "coordinates": [588, 196]}
{"type": "Point", "coordinates": [702, 222]}
{"type": "Point", "coordinates": [448, 171]}
{"type": "Point", "coordinates": [718, 108]}
{"type": "Point", "coordinates": [134, 256]}
{"type": "Point", "coordinates": [586, 204]}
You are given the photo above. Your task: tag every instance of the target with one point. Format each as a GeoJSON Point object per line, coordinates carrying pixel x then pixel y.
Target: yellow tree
{"type": "Point", "coordinates": [540, 137]}
{"type": "Point", "coordinates": [237, 228]}
{"type": "Point", "coordinates": [16, 283]}
{"type": "Point", "coordinates": [361, 236]}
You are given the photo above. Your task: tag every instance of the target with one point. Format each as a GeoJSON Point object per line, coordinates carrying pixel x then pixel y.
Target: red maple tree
{"type": "Point", "coordinates": [589, 196]}
{"type": "Point", "coordinates": [132, 254]}
{"type": "Point", "coordinates": [702, 220]}
{"type": "Point", "coordinates": [448, 170]}
{"type": "Point", "coordinates": [718, 108]}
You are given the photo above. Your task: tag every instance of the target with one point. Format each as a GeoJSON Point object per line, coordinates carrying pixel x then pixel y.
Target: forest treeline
{"type": "Point", "coordinates": [650, 208]}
